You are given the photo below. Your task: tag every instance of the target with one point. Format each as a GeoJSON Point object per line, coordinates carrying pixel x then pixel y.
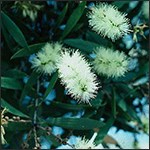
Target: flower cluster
{"type": "Point", "coordinates": [108, 21]}
{"type": "Point", "coordinates": [45, 60]}
{"type": "Point", "coordinates": [76, 75]}
{"type": "Point", "coordinates": [110, 63]}
{"type": "Point", "coordinates": [28, 9]}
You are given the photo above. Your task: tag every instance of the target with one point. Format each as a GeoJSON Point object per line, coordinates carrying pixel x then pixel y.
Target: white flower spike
{"type": "Point", "coordinates": [83, 143]}
{"type": "Point", "coordinates": [76, 75]}
{"type": "Point", "coordinates": [45, 60]}
{"type": "Point", "coordinates": [110, 63]}
{"type": "Point", "coordinates": [108, 21]}
{"type": "Point", "coordinates": [87, 144]}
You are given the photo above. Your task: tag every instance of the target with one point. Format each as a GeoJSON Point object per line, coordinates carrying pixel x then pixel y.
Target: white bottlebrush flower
{"type": "Point", "coordinates": [87, 144]}
{"type": "Point", "coordinates": [110, 63]}
{"type": "Point", "coordinates": [81, 143]}
{"type": "Point", "coordinates": [145, 9]}
{"type": "Point", "coordinates": [108, 21]}
{"type": "Point", "coordinates": [77, 77]}
{"type": "Point", "coordinates": [45, 60]}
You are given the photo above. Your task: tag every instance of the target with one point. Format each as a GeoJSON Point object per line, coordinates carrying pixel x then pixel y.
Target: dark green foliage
{"type": "Point", "coordinates": [30, 100]}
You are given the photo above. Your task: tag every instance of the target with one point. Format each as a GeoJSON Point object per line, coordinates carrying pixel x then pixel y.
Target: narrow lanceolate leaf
{"type": "Point", "coordinates": [10, 83]}
{"type": "Point", "coordinates": [12, 109]}
{"type": "Point", "coordinates": [71, 107]}
{"type": "Point", "coordinates": [28, 86]}
{"type": "Point", "coordinates": [73, 19]}
{"type": "Point", "coordinates": [51, 85]}
{"type": "Point", "coordinates": [14, 31]}
{"type": "Point", "coordinates": [83, 45]}
{"type": "Point", "coordinates": [122, 104]}
{"type": "Point", "coordinates": [14, 73]}
{"type": "Point", "coordinates": [120, 4]}
{"type": "Point", "coordinates": [62, 15]}
{"type": "Point", "coordinates": [7, 37]}
{"type": "Point", "coordinates": [75, 123]}
{"type": "Point", "coordinates": [52, 138]}
{"type": "Point", "coordinates": [96, 38]}
{"type": "Point", "coordinates": [18, 126]}
{"type": "Point", "coordinates": [113, 103]}
{"type": "Point", "coordinates": [103, 131]}
{"type": "Point", "coordinates": [133, 114]}
{"type": "Point", "coordinates": [24, 52]}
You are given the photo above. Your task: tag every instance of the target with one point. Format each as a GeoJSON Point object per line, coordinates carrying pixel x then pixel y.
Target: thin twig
{"type": "Point", "coordinates": [36, 105]}
{"type": "Point", "coordinates": [62, 141]}
{"type": "Point", "coordinates": [35, 117]}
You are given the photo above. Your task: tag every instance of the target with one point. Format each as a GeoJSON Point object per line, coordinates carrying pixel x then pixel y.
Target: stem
{"type": "Point", "coordinates": [35, 117]}
{"type": "Point", "coordinates": [62, 141]}
{"type": "Point", "coordinates": [35, 137]}
{"type": "Point", "coordinates": [36, 105]}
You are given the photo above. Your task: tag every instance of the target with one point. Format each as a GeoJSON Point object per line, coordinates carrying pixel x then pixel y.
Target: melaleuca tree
{"type": "Point", "coordinates": [80, 67]}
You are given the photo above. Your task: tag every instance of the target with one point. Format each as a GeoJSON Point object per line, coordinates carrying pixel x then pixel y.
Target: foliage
{"type": "Point", "coordinates": [31, 113]}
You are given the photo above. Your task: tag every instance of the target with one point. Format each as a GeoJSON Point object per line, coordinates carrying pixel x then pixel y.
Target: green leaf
{"type": "Point", "coordinates": [28, 86]}
{"type": "Point", "coordinates": [120, 4]}
{"type": "Point", "coordinates": [97, 102]}
{"type": "Point", "coordinates": [122, 104]}
{"type": "Point", "coordinates": [52, 138]}
{"type": "Point", "coordinates": [133, 113]}
{"type": "Point", "coordinates": [73, 19]}
{"type": "Point", "coordinates": [69, 106]}
{"type": "Point", "coordinates": [77, 27]}
{"type": "Point", "coordinates": [83, 45]}
{"type": "Point", "coordinates": [17, 126]}
{"type": "Point", "coordinates": [124, 114]}
{"type": "Point", "coordinates": [125, 125]}
{"type": "Point", "coordinates": [144, 68]}
{"type": "Point", "coordinates": [103, 131]}
{"type": "Point", "coordinates": [51, 85]}
{"type": "Point", "coordinates": [75, 123]}
{"type": "Point", "coordinates": [14, 73]}
{"type": "Point", "coordinates": [10, 83]}
{"type": "Point", "coordinates": [12, 109]}
{"type": "Point", "coordinates": [95, 38]}
{"type": "Point", "coordinates": [7, 37]}
{"type": "Point", "coordinates": [14, 31]}
{"type": "Point", "coordinates": [113, 103]}
{"type": "Point", "coordinates": [62, 15]}
{"type": "Point", "coordinates": [33, 49]}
